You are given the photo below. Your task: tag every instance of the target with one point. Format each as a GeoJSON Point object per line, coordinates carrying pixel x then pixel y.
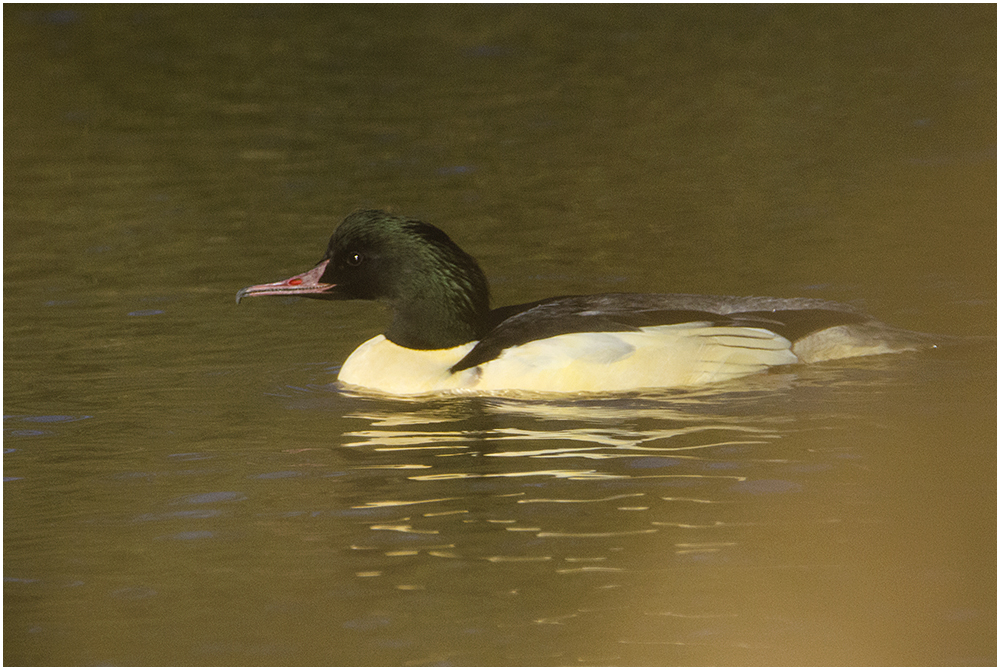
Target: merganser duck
{"type": "Point", "coordinates": [445, 337]}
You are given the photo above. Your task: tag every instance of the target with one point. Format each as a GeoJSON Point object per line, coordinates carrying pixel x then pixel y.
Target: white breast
{"type": "Point", "coordinates": [384, 366]}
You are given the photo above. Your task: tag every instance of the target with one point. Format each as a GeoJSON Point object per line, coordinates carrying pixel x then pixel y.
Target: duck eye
{"type": "Point", "coordinates": [354, 258]}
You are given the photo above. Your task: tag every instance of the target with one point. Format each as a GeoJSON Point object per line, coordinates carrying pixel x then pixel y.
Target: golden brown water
{"type": "Point", "coordinates": [184, 486]}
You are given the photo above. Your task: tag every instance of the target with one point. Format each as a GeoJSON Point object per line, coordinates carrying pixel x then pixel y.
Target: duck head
{"type": "Point", "coordinates": [438, 294]}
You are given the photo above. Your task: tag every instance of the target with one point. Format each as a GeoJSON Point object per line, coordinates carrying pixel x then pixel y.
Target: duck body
{"type": "Point", "coordinates": [663, 357]}
{"type": "Point", "coordinates": [445, 338]}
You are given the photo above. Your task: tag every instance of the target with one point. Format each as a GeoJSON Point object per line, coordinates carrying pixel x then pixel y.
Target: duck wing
{"type": "Point", "coordinates": [622, 312]}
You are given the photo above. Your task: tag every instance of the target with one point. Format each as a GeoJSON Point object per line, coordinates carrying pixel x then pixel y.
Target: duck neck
{"type": "Point", "coordinates": [441, 314]}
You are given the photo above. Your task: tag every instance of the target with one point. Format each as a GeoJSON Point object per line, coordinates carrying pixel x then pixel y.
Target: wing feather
{"type": "Point", "coordinates": [516, 325]}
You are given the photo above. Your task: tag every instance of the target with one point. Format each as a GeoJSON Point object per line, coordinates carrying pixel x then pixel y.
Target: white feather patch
{"type": "Point", "coordinates": [682, 355]}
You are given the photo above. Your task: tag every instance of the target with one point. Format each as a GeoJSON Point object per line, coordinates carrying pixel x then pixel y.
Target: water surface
{"type": "Point", "coordinates": [185, 485]}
